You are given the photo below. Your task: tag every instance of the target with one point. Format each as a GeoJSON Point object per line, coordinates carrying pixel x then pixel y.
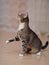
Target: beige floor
{"type": "Point", "coordinates": [9, 53]}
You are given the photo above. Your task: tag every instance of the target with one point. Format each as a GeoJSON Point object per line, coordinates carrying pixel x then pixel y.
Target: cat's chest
{"type": "Point", "coordinates": [22, 31]}
{"type": "Point", "coordinates": [21, 26]}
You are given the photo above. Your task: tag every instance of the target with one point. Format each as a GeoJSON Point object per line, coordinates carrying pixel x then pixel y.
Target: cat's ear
{"type": "Point", "coordinates": [19, 14]}
{"type": "Point", "coordinates": [26, 15]}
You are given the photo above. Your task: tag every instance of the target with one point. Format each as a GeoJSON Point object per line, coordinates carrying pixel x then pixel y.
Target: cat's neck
{"type": "Point", "coordinates": [22, 26]}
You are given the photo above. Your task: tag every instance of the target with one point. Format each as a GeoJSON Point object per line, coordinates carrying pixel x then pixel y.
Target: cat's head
{"type": "Point", "coordinates": [23, 17]}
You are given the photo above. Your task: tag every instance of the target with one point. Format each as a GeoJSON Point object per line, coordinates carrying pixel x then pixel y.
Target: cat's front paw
{"type": "Point", "coordinates": [7, 41]}
{"type": "Point", "coordinates": [21, 55]}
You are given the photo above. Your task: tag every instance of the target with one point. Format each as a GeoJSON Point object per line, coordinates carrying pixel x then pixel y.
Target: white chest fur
{"type": "Point", "coordinates": [21, 26]}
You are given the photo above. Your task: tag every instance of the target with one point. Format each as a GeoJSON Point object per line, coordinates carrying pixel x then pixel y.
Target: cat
{"type": "Point", "coordinates": [30, 40]}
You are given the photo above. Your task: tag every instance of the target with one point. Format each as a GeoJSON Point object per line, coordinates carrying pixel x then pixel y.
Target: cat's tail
{"type": "Point", "coordinates": [45, 46]}
{"type": "Point", "coordinates": [11, 40]}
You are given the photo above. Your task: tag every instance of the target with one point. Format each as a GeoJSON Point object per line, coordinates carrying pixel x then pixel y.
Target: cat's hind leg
{"type": "Point", "coordinates": [38, 52]}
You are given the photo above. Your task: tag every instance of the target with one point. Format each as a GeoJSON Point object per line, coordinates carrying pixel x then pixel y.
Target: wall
{"type": "Point", "coordinates": [39, 15]}
{"type": "Point", "coordinates": [9, 10]}
{"type": "Point", "coordinates": [38, 11]}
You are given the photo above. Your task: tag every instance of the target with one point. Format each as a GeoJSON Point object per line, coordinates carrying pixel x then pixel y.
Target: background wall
{"type": "Point", "coordinates": [38, 13]}
{"type": "Point", "coordinates": [8, 14]}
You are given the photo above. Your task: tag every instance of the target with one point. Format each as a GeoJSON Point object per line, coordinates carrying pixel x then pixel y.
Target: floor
{"type": "Point", "coordinates": [9, 53]}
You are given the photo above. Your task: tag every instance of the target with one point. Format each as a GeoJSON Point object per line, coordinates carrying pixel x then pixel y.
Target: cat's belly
{"type": "Point", "coordinates": [23, 36]}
